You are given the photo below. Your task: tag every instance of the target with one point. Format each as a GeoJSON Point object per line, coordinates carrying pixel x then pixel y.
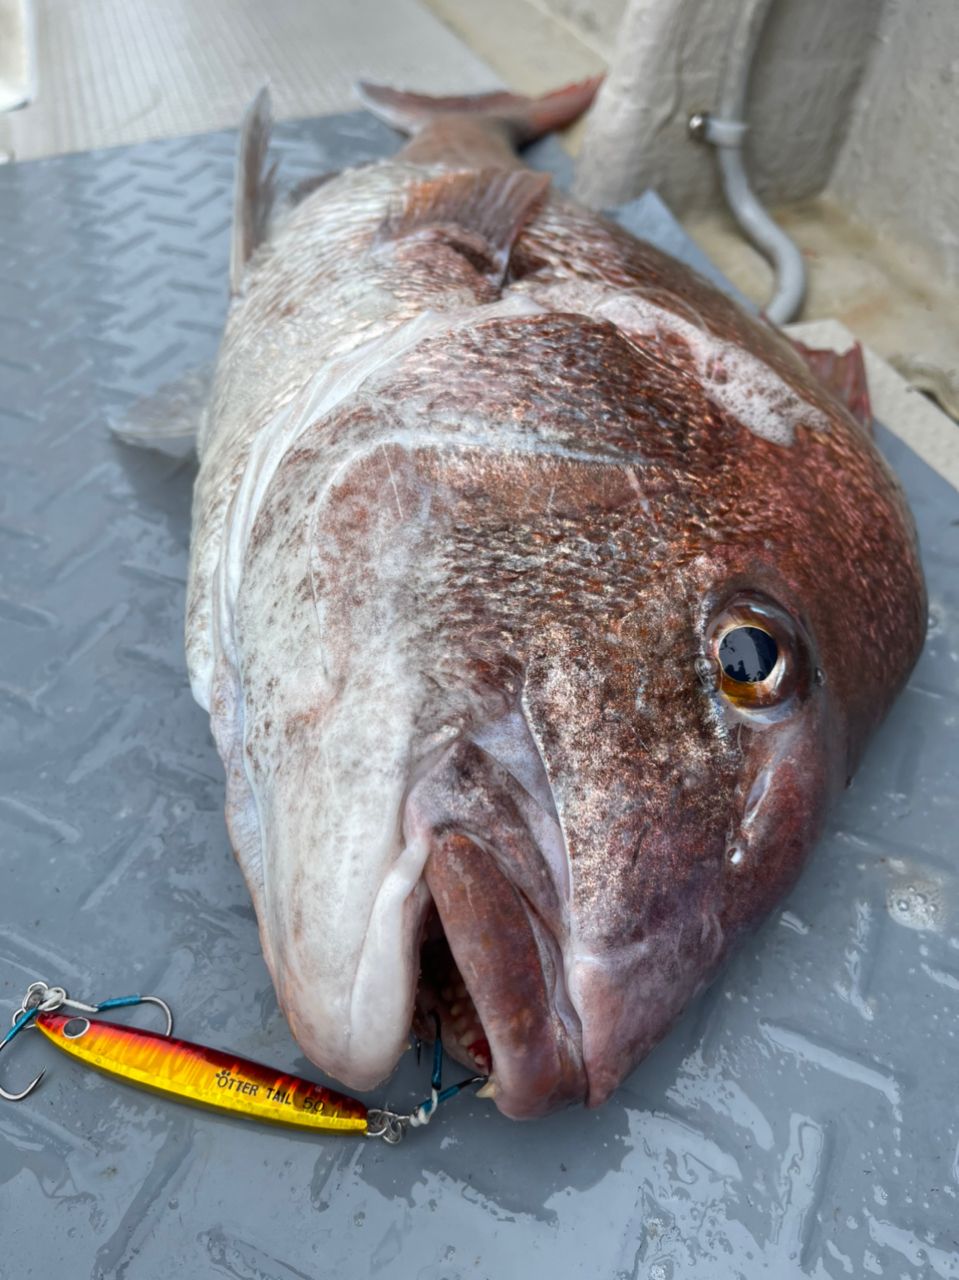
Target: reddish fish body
{"type": "Point", "coordinates": [542, 600]}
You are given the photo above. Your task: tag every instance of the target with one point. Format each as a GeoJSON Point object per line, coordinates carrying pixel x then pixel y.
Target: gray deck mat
{"type": "Point", "coordinates": [801, 1119]}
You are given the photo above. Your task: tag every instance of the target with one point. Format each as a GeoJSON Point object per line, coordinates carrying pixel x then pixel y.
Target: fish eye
{"type": "Point", "coordinates": [759, 654]}
{"type": "Point", "coordinates": [748, 655]}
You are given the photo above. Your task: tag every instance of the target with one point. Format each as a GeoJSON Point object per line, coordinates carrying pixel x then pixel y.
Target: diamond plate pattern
{"type": "Point", "coordinates": [801, 1120]}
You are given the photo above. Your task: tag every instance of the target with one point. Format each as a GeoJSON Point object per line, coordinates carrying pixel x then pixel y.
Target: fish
{"type": "Point", "coordinates": [542, 600]}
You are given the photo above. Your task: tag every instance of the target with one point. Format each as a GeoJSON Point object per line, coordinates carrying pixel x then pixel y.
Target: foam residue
{"type": "Point", "coordinates": [739, 382]}
{"type": "Point", "coordinates": [327, 389]}
{"type": "Point", "coordinates": [916, 903]}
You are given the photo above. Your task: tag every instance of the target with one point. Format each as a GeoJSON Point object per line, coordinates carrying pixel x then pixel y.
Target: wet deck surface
{"type": "Point", "coordinates": [802, 1118]}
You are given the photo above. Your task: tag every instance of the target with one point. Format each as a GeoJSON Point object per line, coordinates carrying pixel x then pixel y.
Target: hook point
{"type": "Point", "coordinates": [18, 1097]}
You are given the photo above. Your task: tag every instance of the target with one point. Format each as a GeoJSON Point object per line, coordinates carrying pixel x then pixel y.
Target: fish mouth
{"type": "Point", "coordinates": [492, 972]}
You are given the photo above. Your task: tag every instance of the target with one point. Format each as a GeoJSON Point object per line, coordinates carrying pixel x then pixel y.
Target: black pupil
{"type": "Point", "coordinates": [748, 654]}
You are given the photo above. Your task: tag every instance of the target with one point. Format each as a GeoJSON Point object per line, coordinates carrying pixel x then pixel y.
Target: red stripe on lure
{"type": "Point", "coordinates": [208, 1077]}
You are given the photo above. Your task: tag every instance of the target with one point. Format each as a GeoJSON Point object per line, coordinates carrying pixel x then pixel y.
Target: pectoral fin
{"type": "Point", "coordinates": [844, 374]}
{"type": "Point", "coordinates": [169, 420]}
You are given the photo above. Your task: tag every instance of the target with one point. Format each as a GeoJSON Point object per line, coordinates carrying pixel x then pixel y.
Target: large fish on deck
{"type": "Point", "coordinates": [542, 600]}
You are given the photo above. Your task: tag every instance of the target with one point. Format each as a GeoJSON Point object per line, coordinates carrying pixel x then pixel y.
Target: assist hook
{"type": "Point", "coordinates": [18, 1025]}
{"type": "Point", "coordinates": [391, 1126]}
{"type": "Point", "coordinates": [42, 998]}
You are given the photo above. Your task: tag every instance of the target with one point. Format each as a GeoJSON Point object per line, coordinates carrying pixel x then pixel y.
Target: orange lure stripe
{"type": "Point", "coordinates": [194, 1073]}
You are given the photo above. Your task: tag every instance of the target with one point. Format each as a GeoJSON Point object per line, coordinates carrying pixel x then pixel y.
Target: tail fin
{"type": "Point", "coordinates": [525, 119]}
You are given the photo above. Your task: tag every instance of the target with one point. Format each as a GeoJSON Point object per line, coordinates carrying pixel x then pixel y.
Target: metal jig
{"type": "Point", "coordinates": [210, 1077]}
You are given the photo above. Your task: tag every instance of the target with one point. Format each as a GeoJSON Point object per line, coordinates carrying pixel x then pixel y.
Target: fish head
{"type": "Point", "coordinates": [532, 736]}
{"type": "Point", "coordinates": [691, 750]}
{"type": "Point", "coordinates": [653, 790]}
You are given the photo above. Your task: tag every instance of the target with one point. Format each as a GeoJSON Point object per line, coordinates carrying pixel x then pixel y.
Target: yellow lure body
{"type": "Point", "coordinates": [208, 1077]}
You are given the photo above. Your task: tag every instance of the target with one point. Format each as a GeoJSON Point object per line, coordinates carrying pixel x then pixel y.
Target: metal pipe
{"type": "Point", "coordinates": [726, 131]}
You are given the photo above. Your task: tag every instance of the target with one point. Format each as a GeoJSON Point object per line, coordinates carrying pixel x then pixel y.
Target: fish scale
{"type": "Point", "coordinates": [486, 486]}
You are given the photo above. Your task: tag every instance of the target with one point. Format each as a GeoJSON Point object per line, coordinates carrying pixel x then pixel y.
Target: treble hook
{"type": "Point", "coordinates": [17, 1026]}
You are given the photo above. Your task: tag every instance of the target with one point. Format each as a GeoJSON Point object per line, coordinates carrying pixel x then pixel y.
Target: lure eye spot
{"type": "Point", "coordinates": [748, 655]}
{"type": "Point", "coordinates": [76, 1028]}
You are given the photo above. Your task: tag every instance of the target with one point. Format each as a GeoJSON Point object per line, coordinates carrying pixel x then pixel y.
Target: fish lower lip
{"type": "Point", "coordinates": [498, 1005]}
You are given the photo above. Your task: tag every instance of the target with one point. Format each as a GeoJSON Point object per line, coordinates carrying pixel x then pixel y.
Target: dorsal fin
{"type": "Point", "coordinates": [478, 213]}
{"type": "Point", "coordinates": [253, 189]}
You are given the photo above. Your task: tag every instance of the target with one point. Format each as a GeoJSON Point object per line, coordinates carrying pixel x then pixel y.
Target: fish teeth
{"type": "Point", "coordinates": [489, 1090]}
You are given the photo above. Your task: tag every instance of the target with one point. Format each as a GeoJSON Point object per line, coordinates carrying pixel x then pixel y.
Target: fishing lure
{"type": "Point", "coordinates": [208, 1077]}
